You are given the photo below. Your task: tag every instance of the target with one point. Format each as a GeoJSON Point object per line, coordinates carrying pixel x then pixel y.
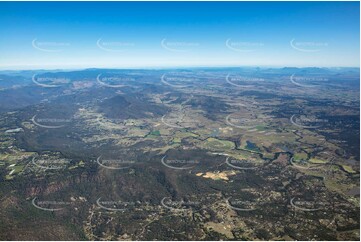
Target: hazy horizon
{"type": "Point", "coordinates": [175, 67]}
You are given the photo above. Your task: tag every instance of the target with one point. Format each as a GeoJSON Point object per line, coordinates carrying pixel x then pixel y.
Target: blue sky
{"type": "Point", "coordinates": [49, 35]}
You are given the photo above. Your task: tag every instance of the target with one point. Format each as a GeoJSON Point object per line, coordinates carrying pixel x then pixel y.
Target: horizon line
{"type": "Point", "coordinates": [170, 67]}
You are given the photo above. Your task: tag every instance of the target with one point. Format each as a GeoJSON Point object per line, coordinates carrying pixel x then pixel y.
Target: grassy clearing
{"type": "Point", "coordinates": [300, 156]}
{"type": "Point", "coordinates": [216, 144]}
{"type": "Point", "coordinates": [348, 169]}
{"type": "Point", "coordinates": [317, 161]}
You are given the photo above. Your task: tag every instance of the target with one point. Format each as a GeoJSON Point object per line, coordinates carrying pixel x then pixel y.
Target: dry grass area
{"type": "Point", "coordinates": [224, 175]}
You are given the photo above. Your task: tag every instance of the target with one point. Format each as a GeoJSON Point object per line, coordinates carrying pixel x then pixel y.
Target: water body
{"type": "Point", "coordinates": [252, 146]}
